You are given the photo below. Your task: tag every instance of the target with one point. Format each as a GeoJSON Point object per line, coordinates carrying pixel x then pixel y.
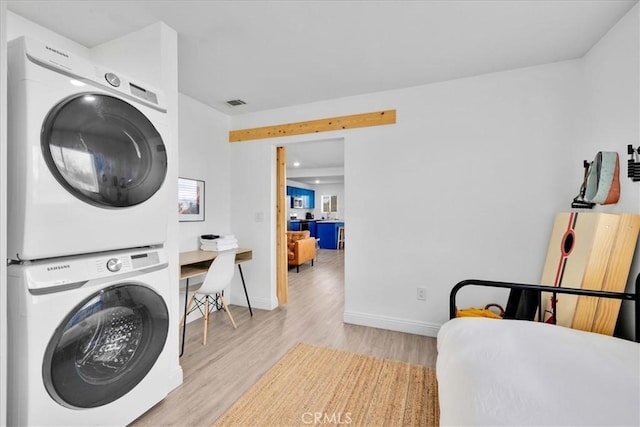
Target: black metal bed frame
{"type": "Point", "coordinates": [538, 289]}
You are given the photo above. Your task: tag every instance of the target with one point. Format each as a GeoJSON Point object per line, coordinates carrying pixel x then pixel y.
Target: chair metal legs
{"type": "Point", "coordinates": [206, 305]}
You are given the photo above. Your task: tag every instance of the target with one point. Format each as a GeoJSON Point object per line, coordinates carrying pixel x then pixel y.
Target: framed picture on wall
{"type": "Point", "coordinates": [190, 199]}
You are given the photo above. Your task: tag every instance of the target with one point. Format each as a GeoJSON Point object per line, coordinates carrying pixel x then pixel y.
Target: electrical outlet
{"type": "Point", "coordinates": [421, 294]}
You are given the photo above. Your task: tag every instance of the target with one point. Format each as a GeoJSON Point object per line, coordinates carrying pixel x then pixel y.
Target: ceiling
{"type": "Point", "coordinates": [318, 162]}
{"type": "Point", "coordinates": [273, 54]}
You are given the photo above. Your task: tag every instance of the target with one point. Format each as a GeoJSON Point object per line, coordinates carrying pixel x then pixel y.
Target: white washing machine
{"type": "Point", "coordinates": [87, 340]}
{"type": "Point", "coordinates": [86, 156]}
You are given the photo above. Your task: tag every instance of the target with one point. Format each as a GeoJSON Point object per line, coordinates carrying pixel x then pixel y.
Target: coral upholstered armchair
{"type": "Point", "coordinates": [301, 248]}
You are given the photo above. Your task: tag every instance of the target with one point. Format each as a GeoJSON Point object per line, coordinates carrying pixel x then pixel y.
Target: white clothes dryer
{"type": "Point", "coordinates": [87, 342]}
{"type": "Point", "coordinates": [87, 158]}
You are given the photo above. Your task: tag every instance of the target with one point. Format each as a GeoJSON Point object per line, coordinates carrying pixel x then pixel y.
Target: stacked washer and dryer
{"type": "Point", "coordinates": [88, 284]}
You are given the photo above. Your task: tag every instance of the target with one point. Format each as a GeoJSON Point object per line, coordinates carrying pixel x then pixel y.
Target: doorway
{"type": "Point", "coordinates": [311, 165]}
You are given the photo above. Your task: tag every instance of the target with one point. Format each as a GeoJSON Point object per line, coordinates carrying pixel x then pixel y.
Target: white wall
{"type": "Point", "coordinates": [253, 219]}
{"type": "Point", "coordinates": [3, 213]}
{"type": "Point", "coordinates": [336, 190]}
{"type": "Point", "coordinates": [204, 155]}
{"type": "Point", "coordinates": [151, 55]}
{"type": "Point", "coordinates": [612, 87]}
{"type": "Point", "coordinates": [467, 155]}
{"type": "Point", "coordinates": [299, 184]}
{"type": "Point", "coordinates": [483, 162]}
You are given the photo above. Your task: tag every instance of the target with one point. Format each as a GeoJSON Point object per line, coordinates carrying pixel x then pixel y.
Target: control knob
{"type": "Point", "coordinates": [112, 79]}
{"type": "Point", "coordinates": [114, 264]}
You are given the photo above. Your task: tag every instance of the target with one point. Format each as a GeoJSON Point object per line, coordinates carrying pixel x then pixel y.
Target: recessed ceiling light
{"type": "Point", "coordinates": [317, 181]}
{"type": "Point", "coordinates": [296, 164]}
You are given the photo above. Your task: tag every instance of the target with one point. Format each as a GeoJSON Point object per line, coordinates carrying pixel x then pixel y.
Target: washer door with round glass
{"type": "Point", "coordinates": [105, 346]}
{"type": "Point", "coordinates": [103, 150]}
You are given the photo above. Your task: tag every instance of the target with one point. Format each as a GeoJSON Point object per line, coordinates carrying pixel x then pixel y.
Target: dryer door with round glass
{"type": "Point", "coordinates": [103, 150]}
{"type": "Point", "coordinates": [105, 346]}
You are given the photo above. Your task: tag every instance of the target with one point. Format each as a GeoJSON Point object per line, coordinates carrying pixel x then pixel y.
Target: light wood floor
{"type": "Point", "coordinates": [215, 376]}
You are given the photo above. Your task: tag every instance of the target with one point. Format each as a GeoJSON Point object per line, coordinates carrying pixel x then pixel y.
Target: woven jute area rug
{"type": "Point", "coordinates": [321, 386]}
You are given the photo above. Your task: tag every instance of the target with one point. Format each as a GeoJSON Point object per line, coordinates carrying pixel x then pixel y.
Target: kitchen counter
{"type": "Point", "coordinates": [328, 232]}
{"type": "Point", "coordinates": [302, 224]}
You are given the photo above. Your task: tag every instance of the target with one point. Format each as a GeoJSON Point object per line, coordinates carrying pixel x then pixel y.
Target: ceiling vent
{"type": "Point", "coordinates": [236, 102]}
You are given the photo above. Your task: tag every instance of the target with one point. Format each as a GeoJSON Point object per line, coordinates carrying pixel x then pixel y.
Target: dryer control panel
{"type": "Point", "coordinates": [82, 70]}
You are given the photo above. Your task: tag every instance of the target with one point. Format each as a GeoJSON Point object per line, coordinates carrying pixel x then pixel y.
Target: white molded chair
{"type": "Point", "coordinates": [217, 279]}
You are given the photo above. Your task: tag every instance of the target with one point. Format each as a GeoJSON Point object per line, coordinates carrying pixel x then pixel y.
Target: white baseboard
{"type": "Point", "coordinates": [392, 323]}
{"type": "Point", "coordinates": [259, 303]}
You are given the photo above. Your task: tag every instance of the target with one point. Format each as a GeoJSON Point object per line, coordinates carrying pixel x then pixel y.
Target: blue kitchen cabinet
{"type": "Point", "coordinates": [308, 196]}
{"type": "Point", "coordinates": [312, 199]}
{"type": "Point", "coordinates": [313, 228]}
{"type": "Point", "coordinates": [327, 232]}
{"type": "Point", "coordinates": [294, 225]}
{"type": "Point", "coordinates": [295, 192]}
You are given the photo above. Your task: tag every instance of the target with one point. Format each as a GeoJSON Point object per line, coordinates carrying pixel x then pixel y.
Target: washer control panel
{"type": "Point", "coordinates": [43, 274]}
{"type": "Point", "coordinates": [114, 264]}
{"type": "Point", "coordinates": [121, 263]}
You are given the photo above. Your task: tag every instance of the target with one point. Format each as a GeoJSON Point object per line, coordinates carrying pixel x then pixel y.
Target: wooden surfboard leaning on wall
{"type": "Point", "coordinates": [589, 250]}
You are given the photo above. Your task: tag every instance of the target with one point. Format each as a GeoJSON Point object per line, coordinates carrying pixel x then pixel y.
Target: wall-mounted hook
{"type": "Point", "coordinates": [633, 164]}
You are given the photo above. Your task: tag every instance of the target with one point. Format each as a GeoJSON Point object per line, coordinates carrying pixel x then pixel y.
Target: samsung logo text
{"type": "Point", "coordinates": [58, 267]}
{"type": "Point", "coordinates": [57, 51]}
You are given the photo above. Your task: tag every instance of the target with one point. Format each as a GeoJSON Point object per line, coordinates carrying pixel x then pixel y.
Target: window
{"type": "Point", "coordinates": [329, 204]}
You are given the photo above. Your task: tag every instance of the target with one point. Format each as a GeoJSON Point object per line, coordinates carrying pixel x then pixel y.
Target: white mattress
{"type": "Point", "coordinates": [510, 372]}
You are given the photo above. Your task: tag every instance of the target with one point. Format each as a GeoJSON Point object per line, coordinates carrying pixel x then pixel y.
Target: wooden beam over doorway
{"type": "Point", "coordinates": [376, 118]}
